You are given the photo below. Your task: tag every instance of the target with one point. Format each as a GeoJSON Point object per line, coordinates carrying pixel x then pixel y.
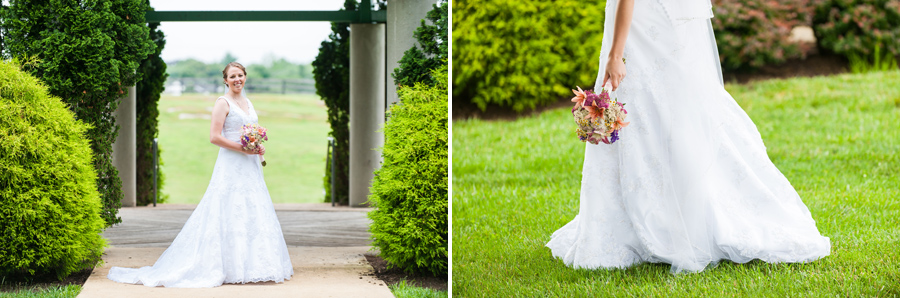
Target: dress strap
{"type": "Point", "coordinates": [230, 104]}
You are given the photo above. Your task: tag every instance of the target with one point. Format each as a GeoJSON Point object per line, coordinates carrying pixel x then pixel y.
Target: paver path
{"type": "Point", "coordinates": [326, 244]}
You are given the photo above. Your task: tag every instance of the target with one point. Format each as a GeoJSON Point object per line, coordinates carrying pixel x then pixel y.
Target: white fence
{"type": "Point", "coordinates": [177, 86]}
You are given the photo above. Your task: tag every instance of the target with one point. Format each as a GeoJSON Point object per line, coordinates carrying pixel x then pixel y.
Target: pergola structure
{"type": "Point", "coordinates": [377, 42]}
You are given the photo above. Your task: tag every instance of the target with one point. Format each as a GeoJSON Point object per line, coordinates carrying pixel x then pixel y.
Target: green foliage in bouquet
{"type": "Point", "coordinates": [864, 31]}
{"type": "Point", "coordinates": [149, 89]}
{"type": "Point", "coordinates": [49, 205]}
{"type": "Point", "coordinates": [522, 54]}
{"type": "Point", "coordinates": [331, 70]}
{"type": "Point", "coordinates": [416, 65]}
{"type": "Point", "coordinates": [86, 53]}
{"type": "Point", "coordinates": [754, 33]}
{"type": "Point", "coordinates": [409, 223]}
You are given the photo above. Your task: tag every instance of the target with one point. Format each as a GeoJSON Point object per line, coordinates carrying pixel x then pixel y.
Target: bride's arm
{"type": "Point", "coordinates": [220, 110]}
{"type": "Point", "coordinates": [615, 67]}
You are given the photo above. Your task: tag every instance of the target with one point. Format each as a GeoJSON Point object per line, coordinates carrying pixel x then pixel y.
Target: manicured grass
{"type": "Point", "coordinates": [837, 139]}
{"type": "Point", "coordinates": [295, 152]}
{"type": "Point", "coordinates": [404, 290]}
{"type": "Point", "coordinates": [69, 291]}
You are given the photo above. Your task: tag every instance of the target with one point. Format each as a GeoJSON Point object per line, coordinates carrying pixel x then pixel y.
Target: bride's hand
{"type": "Point", "coordinates": [259, 150]}
{"type": "Point", "coordinates": [615, 72]}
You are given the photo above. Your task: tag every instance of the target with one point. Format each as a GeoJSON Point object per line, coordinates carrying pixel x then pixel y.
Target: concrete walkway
{"type": "Point", "coordinates": [326, 244]}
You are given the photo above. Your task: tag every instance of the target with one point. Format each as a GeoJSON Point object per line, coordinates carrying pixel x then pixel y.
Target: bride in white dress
{"type": "Point", "coordinates": [689, 182]}
{"type": "Point", "coordinates": [233, 236]}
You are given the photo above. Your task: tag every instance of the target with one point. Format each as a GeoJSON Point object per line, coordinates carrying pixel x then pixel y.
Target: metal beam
{"type": "Point", "coordinates": [268, 16]}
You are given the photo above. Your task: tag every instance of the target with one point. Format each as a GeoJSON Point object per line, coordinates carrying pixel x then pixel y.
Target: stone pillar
{"type": "Point", "coordinates": [367, 63]}
{"type": "Point", "coordinates": [124, 156]}
{"type": "Point", "coordinates": [403, 18]}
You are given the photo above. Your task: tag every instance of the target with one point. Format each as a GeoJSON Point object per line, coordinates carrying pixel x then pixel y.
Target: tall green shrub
{"type": "Point", "coordinates": [754, 33]}
{"type": "Point", "coordinates": [149, 88]}
{"type": "Point", "coordinates": [49, 205]}
{"type": "Point", "coordinates": [521, 54]}
{"type": "Point", "coordinates": [416, 65]}
{"type": "Point", "coordinates": [855, 28]}
{"type": "Point", "coordinates": [87, 53]}
{"type": "Point", "coordinates": [331, 70]}
{"type": "Point", "coordinates": [409, 223]}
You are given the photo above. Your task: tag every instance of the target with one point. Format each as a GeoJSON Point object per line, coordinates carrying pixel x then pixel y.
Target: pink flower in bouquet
{"type": "Point", "coordinates": [594, 112]}
{"type": "Point", "coordinates": [619, 124]}
{"type": "Point", "coordinates": [579, 97]}
{"type": "Point", "coordinates": [593, 99]}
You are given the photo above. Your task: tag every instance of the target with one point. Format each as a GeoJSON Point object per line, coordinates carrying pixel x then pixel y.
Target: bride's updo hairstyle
{"type": "Point", "coordinates": [230, 65]}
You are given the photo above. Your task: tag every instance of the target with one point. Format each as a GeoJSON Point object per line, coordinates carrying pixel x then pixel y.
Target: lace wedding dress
{"type": "Point", "coordinates": [689, 182]}
{"type": "Point", "coordinates": [233, 236]}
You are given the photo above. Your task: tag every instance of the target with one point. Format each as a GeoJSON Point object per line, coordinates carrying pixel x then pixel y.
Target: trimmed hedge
{"type": "Point", "coordinates": [856, 27]}
{"type": "Point", "coordinates": [86, 53]}
{"type": "Point", "coordinates": [49, 205]}
{"type": "Point", "coordinates": [522, 54]}
{"type": "Point", "coordinates": [409, 223]}
{"type": "Point", "coordinates": [754, 33]}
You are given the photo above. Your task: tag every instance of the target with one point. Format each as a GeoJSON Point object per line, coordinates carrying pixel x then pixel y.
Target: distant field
{"type": "Point", "coordinates": [295, 152]}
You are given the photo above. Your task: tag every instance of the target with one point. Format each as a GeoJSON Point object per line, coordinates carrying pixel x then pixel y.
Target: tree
{"type": "Point", "coordinates": [416, 65]}
{"type": "Point", "coordinates": [153, 70]}
{"type": "Point", "coordinates": [331, 70]}
{"type": "Point", "coordinates": [228, 59]}
{"type": "Point", "coordinates": [87, 53]}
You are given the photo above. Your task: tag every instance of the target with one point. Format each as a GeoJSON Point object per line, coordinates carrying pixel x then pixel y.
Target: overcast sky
{"type": "Point", "coordinates": [250, 42]}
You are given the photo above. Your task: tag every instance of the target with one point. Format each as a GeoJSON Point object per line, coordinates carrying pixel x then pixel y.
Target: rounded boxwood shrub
{"type": "Point", "coordinates": [49, 204]}
{"type": "Point", "coordinates": [754, 33]}
{"type": "Point", "coordinates": [409, 223]}
{"type": "Point", "coordinates": [522, 54]}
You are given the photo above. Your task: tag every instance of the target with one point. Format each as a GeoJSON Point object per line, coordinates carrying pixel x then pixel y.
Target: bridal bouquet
{"type": "Point", "coordinates": [252, 135]}
{"type": "Point", "coordinates": [599, 118]}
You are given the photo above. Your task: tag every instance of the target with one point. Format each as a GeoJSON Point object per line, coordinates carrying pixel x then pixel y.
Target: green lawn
{"type": "Point", "coordinates": [69, 291]}
{"type": "Point", "coordinates": [295, 152]}
{"type": "Point", "coordinates": [404, 290]}
{"type": "Point", "coordinates": [837, 139]}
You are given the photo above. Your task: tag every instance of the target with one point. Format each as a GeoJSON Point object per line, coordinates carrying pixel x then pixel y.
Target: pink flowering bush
{"type": "Point", "coordinates": [754, 33]}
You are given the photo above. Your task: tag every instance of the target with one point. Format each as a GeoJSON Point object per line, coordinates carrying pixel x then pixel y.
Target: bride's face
{"type": "Point", "coordinates": [235, 79]}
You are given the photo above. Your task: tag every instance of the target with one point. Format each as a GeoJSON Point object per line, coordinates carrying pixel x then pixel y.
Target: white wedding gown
{"type": "Point", "coordinates": [689, 182]}
{"type": "Point", "coordinates": [233, 236]}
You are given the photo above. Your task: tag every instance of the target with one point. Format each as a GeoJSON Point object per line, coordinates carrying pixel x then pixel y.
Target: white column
{"type": "Point", "coordinates": [403, 18]}
{"type": "Point", "coordinates": [124, 148]}
{"type": "Point", "coordinates": [366, 107]}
